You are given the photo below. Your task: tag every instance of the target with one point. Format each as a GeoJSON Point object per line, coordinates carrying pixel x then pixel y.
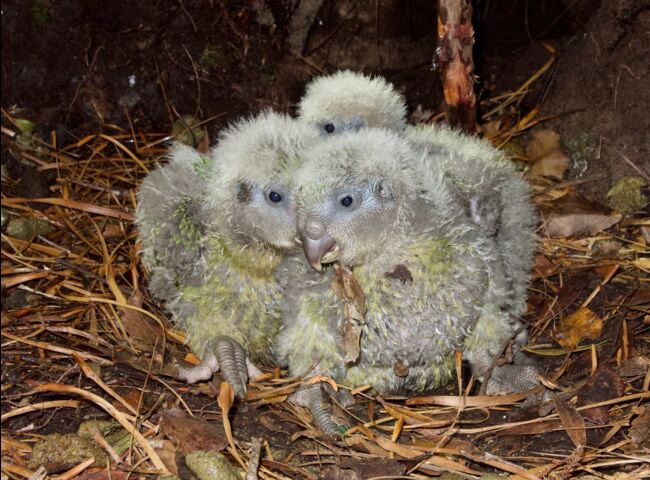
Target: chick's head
{"type": "Point", "coordinates": [249, 192]}
{"type": "Point", "coordinates": [349, 100]}
{"type": "Point", "coordinates": [350, 193]}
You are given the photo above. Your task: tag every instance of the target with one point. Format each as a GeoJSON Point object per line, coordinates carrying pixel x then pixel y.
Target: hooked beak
{"type": "Point", "coordinates": [318, 245]}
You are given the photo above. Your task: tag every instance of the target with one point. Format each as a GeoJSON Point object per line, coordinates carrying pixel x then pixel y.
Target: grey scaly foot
{"type": "Point", "coordinates": [507, 379]}
{"type": "Point", "coordinates": [317, 399]}
{"type": "Point", "coordinates": [522, 374]}
{"type": "Point", "coordinates": [225, 354]}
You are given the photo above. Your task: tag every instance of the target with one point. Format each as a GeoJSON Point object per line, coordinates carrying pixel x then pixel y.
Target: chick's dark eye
{"type": "Point", "coordinates": [275, 197]}
{"type": "Point", "coordinates": [347, 201]}
{"type": "Point", "coordinates": [329, 128]}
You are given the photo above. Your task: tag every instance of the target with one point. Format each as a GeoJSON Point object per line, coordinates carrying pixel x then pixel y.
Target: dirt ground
{"type": "Point", "coordinates": [71, 67]}
{"type": "Point", "coordinates": [79, 68]}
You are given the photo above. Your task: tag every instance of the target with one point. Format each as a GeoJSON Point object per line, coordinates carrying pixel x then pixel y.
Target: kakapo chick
{"type": "Point", "coordinates": [424, 268]}
{"type": "Point", "coordinates": [230, 313]}
{"type": "Point", "coordinates": [494, 196]}
{"type": "Point", "coordinates": [348, 100]}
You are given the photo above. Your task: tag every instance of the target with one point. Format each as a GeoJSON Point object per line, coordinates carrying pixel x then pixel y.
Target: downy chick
{"type": "Point", "coordinates": [349, 100]}
{"type": "Point", "coordinates": [380, 209]}
{"type": "Point", "coordinates": [230, 313]}
{"type": "Point", "coordinates": [493, 194]}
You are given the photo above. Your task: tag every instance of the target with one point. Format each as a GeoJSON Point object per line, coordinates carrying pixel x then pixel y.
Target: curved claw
{"type": "Point", "coordinates": [316, 398]}
{"type": "Point", "coordinates": [225, 354]}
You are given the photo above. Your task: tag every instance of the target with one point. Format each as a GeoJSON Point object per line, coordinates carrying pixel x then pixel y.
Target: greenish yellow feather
{"type": "Point", "coordinates": [202, 165]}
{"type": "Point", "coordinates": [189, 234]}
{"type": "Point", "coordinates": [433, 258]}
{"type": "Point", "coordinates": [236, 299]}
{"type": "Point", "coordinates": [286, 163]}
{"type": "Point", "coordinates": [252, 260]}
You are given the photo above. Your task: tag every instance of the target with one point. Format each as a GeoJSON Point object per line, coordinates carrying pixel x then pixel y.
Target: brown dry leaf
{"type": "Point", "coordinates": [583, 323]}
{"type": "Point", "coordinates": [191, 433]}
{"type": "Point", "coordinates": [543, 143]}
{"type": "Point", "coordinates": [168, 454]}
{"type": "Point", "coordinates": [332, 472]}
{"type": "Point", "coordinates": [144, 333]}
{"type": "Point", "coordinates": [554, 166]}
{"type": "Point", "coordinates": [271, 423]}
{"type": "Point", "coordinates": [226, 398]}
{"type": "Point", "coordinates": [573, 216]}
{"type": "Point", "coordinates": [491, 128]}
{"type": "Point", "coordinates": [543, 267]}
{"type": "Point", "coordinates": [133, 397]}
{"type": "Point", "coordinates": [548, 158]}
{"type": "Point", "coordinates": [111, 230]}
{"type": "Point", "coordinates": [640, 297]}
{"type": "Point", "coordinates": [204, 145]}
{"type": "Point", "coordinates": [530, 429]}
{"type": "Point", "coordinates": [572, 422]}
{"type": "Point", "coordinates": [365, 445]}
{"type": "Point", "coordinates": [543, 196]}
{"type": "Point", "coordinates": [640, 430]}
{"type": "Point", "coordinates": [346, 287]}
{"type": "Point", "coordinates": [225, 401]}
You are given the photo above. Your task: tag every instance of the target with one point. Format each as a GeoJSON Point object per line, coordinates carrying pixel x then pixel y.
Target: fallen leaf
{"type": "Point", "coordinates": [112, 230]}
{"type": "Point", "coordinates": [168, 453]}
{"type": "Point", "coordinates": [345, 286]}
{"type": "Point", "coordinates": [581, 324]}
{"type": "Point", "coordinates": [553, 165]}
{"type": "Point", "coordinates": [640, 430]}
{"type": "Point", "coordinates": [226, 397]}
{"type": "Point", "coordinates": [204, 145]}
{"type": "Point", "coordinates": [572, 421]}
{"type": "Point", "coordinates": [573, 216]}
{"type": "Point", "coordinates": [271, 423]}
{"type": "Point", "coordinates": [640, 297]}
{"type": "Point", "coordinates": [607, 248]}
{"type": "Point", "coordinates": [332, 472]}
{"type": "Point", "coordinates": [191, 433]}
{"type": "Point", "coordinates": [545, 151]}
{"type": "Point", "coordinates": [543, 143]}
{"type": "Point", "coordinates": [543, 267]}
{"type": "Point", "coordinates": [144, 333]}
{"type": "Point", "coordinates": [514, 151]}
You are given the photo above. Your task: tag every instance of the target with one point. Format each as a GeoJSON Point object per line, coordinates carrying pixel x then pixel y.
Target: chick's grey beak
{"type": "Point", "coordinates": [316, 242]}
